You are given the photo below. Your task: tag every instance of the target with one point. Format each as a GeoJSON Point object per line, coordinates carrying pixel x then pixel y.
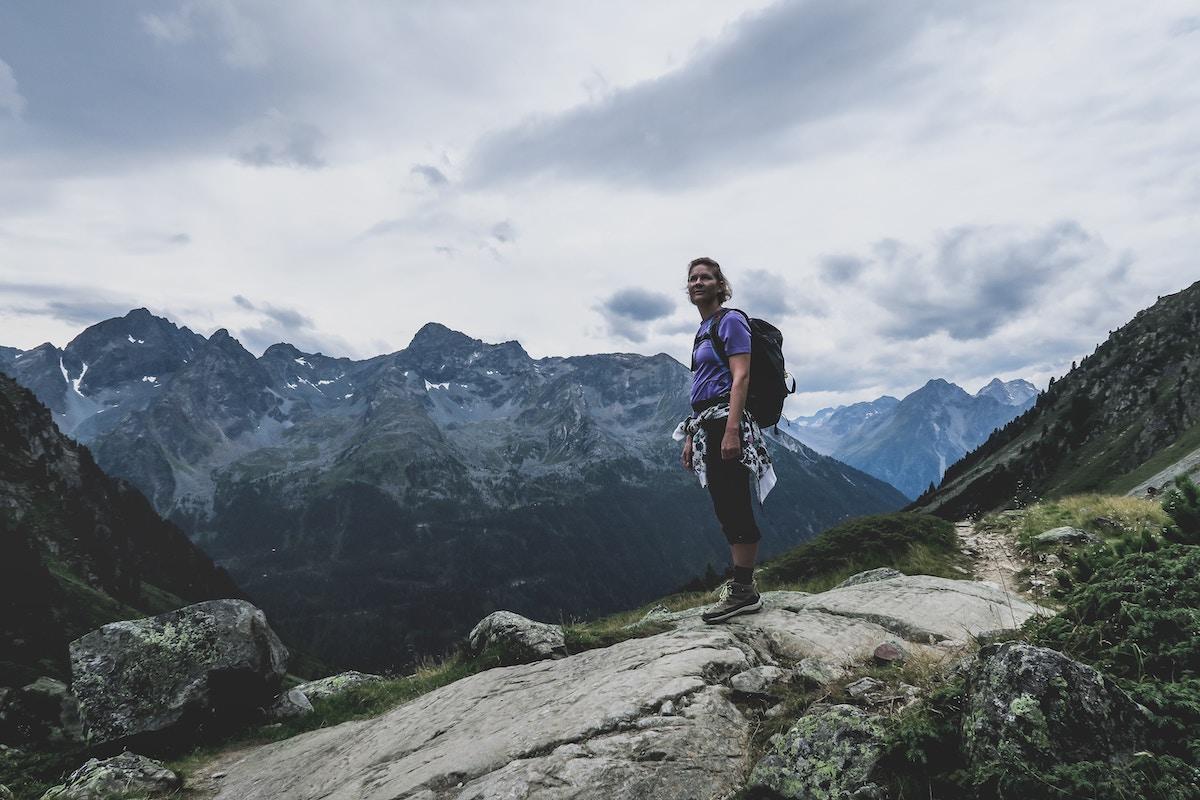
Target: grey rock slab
{"type": "Point", "coordinates": [289, 705]}
{"type": "Point", "coordinates": [126, 775]}
{"type": "Point", "coordinates": [760, 680]}
{"type": "Point", "coordinates": [520, 639]}
{"type": "Point", "coordinates": [336, 684]}
{"type": "Point", "coordinates": [532, 725]}
{"type": "Point", "coordinates": [923, 608]}
{"type": "Point", "coordinates": [869, 576]}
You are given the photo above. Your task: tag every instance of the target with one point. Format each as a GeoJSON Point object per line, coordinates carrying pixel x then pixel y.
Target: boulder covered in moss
{"type": "Point", "coordinates": [205, 667]}
{"type": "Point", "coordinates": [126, 775]}
{"type": "Point", "coordinates": [336, 684]}
{"type": "Point", "coordinates": [42, 712]}
{"type": "Point", "coordinates": [829, 754]}
{"type": "Point", "coordinates": [518, 639]}
{"type": "Point", "coordinates": [1037, 707]}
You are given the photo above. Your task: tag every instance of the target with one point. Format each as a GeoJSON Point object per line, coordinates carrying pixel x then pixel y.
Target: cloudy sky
{"type": "Point", "coordinates": [909, 190]}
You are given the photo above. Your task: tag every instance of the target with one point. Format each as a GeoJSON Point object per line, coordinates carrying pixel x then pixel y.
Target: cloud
{"type": "Point", "coordinates": [240, 38]}
{"type": "Point", "coordinates": [839, 269]}
{"type": "Point", "coordinates": [629, 311]}
{"type": "Point", "coordinates": [976, 278]}
{"type": "Point", "coordinates": [433, 176]}
{"type": "Point", "coordinates": [768, 294]}
{"type": "Point", "coordinates": [11, 101]}
{"type": "Point", "coordinates": [281, 324]}
{"type": "Point", "coordinates": [154, 242]}
{"type": "Point", "coordinates": [1184, 26]}
{"type": "Point", "coordinates": [276, 141]}
{"type": "Point", "coordinates": [77, 305]}
{"type": "Point", "coordinates": [737, 102]}
{"type": "Point", "coordinates": [504, 231]}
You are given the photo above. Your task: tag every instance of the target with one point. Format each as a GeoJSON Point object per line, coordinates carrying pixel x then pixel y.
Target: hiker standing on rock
{"type": "Point", "coordinates": [722, 442]}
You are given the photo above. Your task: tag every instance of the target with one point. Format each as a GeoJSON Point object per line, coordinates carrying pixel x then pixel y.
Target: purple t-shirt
{"type": "Point", "coordinates": [712, 378]}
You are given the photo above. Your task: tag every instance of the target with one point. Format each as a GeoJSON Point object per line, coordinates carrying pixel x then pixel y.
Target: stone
{"type": "Point", "coordinates": [126, 775]}
{"type": "Point", "coordinates": [336, 684]}
{"type": "Point", "coordinates": [203, 667]}
{"type": "Point", "coordinates": [996, 636]}
{"type": "Point", "coordinates": [289, 705]}
{"type": "Point", "coordinates": [592, 726]}
{"type": "Point", "coordinates": [520, 640]}
{"type": "Point", "coordinates": [6, 793]}
{"type": "Point", "coordinates": [889, 653]}
{"type": "Point", "coordinates": [1037, 706]}
{"type": "Point", "coordinates": [830, 754]}
{"type": "Point", "coordinates": [42, 712]}
{"type": "Point", "coordinates": [870, 576]}
{"type": "Point", "coordinates": [864, 686]}
{"type": "Point", "coordinates": [760, 681]}
{"type": "Point", "coordinates": [1067, 535]}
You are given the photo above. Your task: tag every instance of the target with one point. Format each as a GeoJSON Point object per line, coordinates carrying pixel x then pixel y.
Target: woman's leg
{"type": "Point", "coordinates": [729, 487]}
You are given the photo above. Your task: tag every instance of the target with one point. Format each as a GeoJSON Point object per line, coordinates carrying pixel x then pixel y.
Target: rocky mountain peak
{"type": "Point", "coordinates": [1010, 393]}
{"type": "Point", "coordinates": [437, 337]}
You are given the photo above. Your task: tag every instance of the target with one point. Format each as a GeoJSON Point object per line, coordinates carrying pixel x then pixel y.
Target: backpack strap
{"type": "Point", "coordinates": [713, 334]}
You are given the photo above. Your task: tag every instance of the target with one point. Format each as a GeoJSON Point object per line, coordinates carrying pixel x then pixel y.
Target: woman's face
{"type": "Point", "coordinates": [702, 284]}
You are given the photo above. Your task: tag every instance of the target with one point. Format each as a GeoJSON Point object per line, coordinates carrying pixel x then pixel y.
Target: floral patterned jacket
{"type": "Point", "coordinates": [754, 447]}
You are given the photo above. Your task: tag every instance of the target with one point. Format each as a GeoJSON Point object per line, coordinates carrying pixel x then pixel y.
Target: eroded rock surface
{"type": "Point", "coordinates": [879, 574]}
{"type": "Point", "coordinates": [336, 684]}
{"type": "Point", "coordinates": [651, 717]}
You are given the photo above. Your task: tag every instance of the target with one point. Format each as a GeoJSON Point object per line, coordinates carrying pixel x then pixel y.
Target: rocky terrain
{"type": "Point", "coordinates": [377, 509]}
{"type": "Point", "coordinates": [909, 443]}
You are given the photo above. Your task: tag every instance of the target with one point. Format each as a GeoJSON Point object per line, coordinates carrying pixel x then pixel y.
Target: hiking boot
{"type": "Point", "coordinates": [736, 598]}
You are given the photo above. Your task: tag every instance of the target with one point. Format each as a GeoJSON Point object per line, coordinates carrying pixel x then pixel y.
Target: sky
{"type": "Point", "coordinates": [908, 190]}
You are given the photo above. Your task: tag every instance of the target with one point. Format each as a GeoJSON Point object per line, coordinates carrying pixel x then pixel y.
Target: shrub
{"type": "Point", "coordinates": [1183, 505]}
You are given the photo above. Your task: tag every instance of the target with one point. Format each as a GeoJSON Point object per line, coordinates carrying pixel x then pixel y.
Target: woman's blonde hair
{"type": "Point", "coordinates": [722, 281]}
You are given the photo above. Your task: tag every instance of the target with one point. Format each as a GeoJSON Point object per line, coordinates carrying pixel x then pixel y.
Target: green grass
{"type": "Point", "coordinates": [1186, 443]}
{"type": "Point", "coordinates": [915, 544]}
{"type": "Point", "coordinates": [1126, 516]}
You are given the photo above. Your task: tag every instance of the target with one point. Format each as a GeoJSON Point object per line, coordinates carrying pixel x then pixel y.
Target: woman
{"type": "Point", "coordinates": [721, 442]}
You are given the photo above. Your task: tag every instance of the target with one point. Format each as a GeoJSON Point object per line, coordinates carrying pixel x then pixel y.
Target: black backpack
{"type": "Point", "coordinates": [770, 383]}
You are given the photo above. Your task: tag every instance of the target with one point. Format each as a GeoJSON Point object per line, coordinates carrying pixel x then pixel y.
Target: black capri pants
{"type": "Point", "coordinates": [729, 487]}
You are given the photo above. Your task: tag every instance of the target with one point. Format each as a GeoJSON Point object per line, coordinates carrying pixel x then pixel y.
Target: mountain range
{"type": "Point", "coordinates": [1125, 416]}
{"type": "Point", "coordinates": [377, 508]}
{"type": "Point", "coordinates": [909, 443]}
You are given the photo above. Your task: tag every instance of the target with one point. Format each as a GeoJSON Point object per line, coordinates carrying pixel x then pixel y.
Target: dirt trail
{"type": "Point", "coordinates": [996, 557]}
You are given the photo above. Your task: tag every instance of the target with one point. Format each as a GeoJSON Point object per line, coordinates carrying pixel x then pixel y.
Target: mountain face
{"type": "Point", "coordinates": [1126, 411]}
{"type": "Point", "coordinates": [909, 443]}
{"type": "Point", "coordinates": [77, 548]}
{"type": "Point", "coordinates": [376, 509]}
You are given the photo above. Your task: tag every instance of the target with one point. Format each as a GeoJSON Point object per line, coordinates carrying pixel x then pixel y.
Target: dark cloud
{"type": "Point", "coordinates": [767, 294]}
{"type": "Point", "coordinates": [243, 302]}
{"type": "Point", "coordinates": [739, 101]}
{"type": "Point", "coordinates": [504, 231]}
{"type": "Point", "coordinates": [431, 174]}
{"type": "Point", "coordinates": [841, 269]}
{"type": "Point", "coordinates": [280, 324]}
{"type": "Point", "coordinates": [977, 278]}
{"type": "Point", "coordinates": [77, 305]}
{"type": "Point", "coordinates": [78, 312]}
{"type": "Point", "coordinates": [639, 305]}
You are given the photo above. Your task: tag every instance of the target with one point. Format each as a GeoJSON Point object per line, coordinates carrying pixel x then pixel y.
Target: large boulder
{"type": "Point", "coordinates": [336, 684]}
{"type": "Point", "coordinates": [1033, 705]}
{"type": "Point", "coordinates": [1067, 535]}
{"type": "Point", "coordinates": [203, 667]}
{"type": "Point", "coordinates": [518, 639]}
{"type": "Point", "coordinates": [126, 775]}
{"type": "Point", "coordinates": [43, 712]}
{"type": "Point", "coordinates": [828, 754]}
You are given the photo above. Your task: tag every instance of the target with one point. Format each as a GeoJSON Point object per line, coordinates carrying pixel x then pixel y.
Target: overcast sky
{"type": "Point", "coordinates": [908, 190]}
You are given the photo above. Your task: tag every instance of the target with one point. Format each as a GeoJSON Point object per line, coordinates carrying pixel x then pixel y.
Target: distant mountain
{"type": "Point", "coordinates": [77, 548]}
{"type": "Point", "coordinates": [910, 442]}
{"type": "Point", "coordinates": [1120, 417]}
{"type": "Point", "coordinates": [378, 508]}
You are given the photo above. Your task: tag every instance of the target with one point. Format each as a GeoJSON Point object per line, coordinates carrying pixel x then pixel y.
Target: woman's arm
{"type": "Point", "coordinates": [739, 368]}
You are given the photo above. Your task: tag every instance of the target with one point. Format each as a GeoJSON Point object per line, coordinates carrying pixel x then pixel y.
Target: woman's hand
{"type": "Point", "coordinates": [731, 445]}
{"type": "Point", "coordinates": [687, 453]}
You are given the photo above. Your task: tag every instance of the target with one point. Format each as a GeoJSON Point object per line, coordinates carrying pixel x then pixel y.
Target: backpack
{"type": "Point", "coordinates": [770, 383]}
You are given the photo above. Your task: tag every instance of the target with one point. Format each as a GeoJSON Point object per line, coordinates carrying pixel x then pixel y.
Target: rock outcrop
{"type": "Point", "coordinates": [42, 712]}
{"type": "Point", "coordinates": [202, 666]}
{"type": "Point", "coordinates": [519, 640]}
{"type": "Point", "coordinates": [1067, 535]}
{"type": "Point", "coordinates": [335, 684]}
{"type": "Point", "coordinates": [879, 574]}
{"type": "Point", "coordinates": [126, 775]}
{"type": "Point", "coordinates": [650, 717]}
{"type": "Point", "coordinates": [829, 753]}
{"type": "Point", "coordinates": [1037, 706]}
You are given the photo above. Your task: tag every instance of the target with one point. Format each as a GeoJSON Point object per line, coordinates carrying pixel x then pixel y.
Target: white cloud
{"type": "Point", "coordinates": [11, 101]}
